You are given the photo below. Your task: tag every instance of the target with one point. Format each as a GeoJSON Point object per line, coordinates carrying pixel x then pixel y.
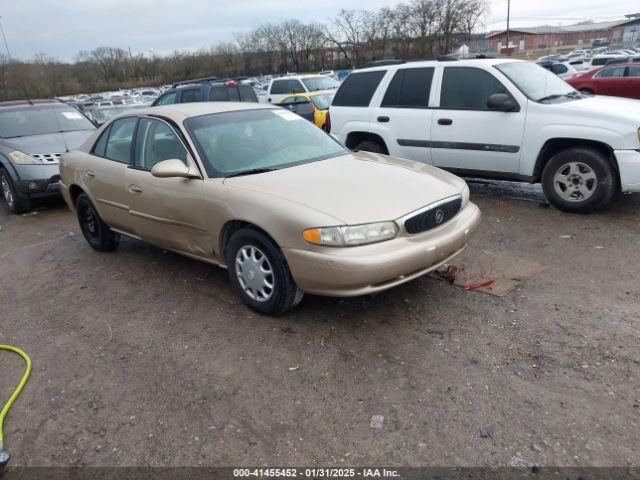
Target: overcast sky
{"type": "Point", "coordinates": [61, 28]}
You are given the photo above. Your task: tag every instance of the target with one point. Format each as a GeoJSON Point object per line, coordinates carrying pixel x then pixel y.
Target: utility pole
{"type": "Point", "coordinates": [508, 32]}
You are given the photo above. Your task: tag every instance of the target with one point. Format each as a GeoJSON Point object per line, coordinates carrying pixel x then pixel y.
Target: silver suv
{"type": "Point", "coordinates": [33, 136]}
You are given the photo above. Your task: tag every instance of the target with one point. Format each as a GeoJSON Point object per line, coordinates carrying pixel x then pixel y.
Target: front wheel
{"type": "Point", "coordinates": [259, 273]}
{"type": "Point", "coordinates": [579, 180]}
{"type": "Point", "coordinates": [14, 203]}
{"type": "Point", "coordinates": [95, 231]}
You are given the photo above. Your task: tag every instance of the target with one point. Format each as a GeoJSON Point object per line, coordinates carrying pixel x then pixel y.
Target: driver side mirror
{"type": "Point", "coordinates": [172, 168]}
{"type": "Point", "coordinates": [501, 102]}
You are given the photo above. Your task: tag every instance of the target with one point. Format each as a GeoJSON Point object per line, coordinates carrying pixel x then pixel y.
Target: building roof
{"type": "Point", "coordinates": [548, 29]}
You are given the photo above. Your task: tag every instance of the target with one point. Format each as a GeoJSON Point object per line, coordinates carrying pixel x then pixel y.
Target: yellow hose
{"type": "Point", "coordinates": [4, 455]}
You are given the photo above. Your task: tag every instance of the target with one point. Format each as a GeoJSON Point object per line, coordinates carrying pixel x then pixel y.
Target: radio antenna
{"type": "Point", "coordinates": [6, 46]}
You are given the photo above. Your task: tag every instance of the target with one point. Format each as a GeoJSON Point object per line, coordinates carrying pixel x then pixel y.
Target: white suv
{"type": "Point", "coordinates": [284, 86]}
{"type": "Point", "coordinates": [495, 118]}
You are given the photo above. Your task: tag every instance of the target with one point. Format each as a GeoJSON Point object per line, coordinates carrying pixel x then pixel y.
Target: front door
{"type": "Point", "coordinates": [405, 110]}
{"type": "Point", "coordinates": [104, 171]}
{"type": "Point", "coordinates": [166, 211]}
{"type": "Point", "coordinates": [468, 137]}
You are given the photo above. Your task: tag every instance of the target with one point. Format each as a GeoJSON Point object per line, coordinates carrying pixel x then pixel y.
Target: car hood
{"type": "Point", "coordinates": [49, 142]}
{"type": "Point", "coordinates": [598, 106]}
{"type": "Point", "coordinates": [357, 188]}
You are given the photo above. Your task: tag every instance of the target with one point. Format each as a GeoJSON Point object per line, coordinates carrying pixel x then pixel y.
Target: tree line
{"type": "Point", "coordinates": [416, 29]}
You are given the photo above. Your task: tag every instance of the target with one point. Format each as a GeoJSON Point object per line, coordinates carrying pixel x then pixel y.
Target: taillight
{"type": "Point", "coordinates": [327, 122]}
{"type": "Point", "coordinates": [231, 83]}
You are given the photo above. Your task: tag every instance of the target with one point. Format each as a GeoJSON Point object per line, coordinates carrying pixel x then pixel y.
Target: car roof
{"type": "Point", "coordinates": [311, 94]}
{"type": "Point", "coordinates": [473, 62]}
{"type": "Point", "coordinates": [180, 111]}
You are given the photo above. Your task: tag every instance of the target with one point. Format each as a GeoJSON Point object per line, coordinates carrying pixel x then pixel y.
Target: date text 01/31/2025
{"type": "Point", "coordinates": [315, 472]}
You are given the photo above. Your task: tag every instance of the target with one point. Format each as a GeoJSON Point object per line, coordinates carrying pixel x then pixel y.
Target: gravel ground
{"type": "Point", "coordinates": [145, 357]}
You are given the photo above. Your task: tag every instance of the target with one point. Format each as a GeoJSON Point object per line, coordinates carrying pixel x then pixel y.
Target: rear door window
{"type": "Point", "coordinates": [409, 88]}
{"type": "Point", "coordinates": [357, 89]}
{"type": "Point", "coordinates": [247, 94]}
{"type": "Point", "coordinates": [190, 95]}
{"type": "Point", "coordinates": [467, 88]}
{"type": "Point", "coordinates": [634, 72]}
{"type": "Point", "coordinates": [101, 144]}
{"type": "Point", "coordinates": [155, 142]}
{"type": "Point", "coordinates": [613, 72]}
{"type": "Point", "coordinates": [280, 87]}
{"type": "Point", "coordinates": [120, 137]}
{"type": "Point", "coordinates": [219, 94]}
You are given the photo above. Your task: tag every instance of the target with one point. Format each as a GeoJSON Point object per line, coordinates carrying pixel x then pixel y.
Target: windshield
{"type": "Point", "coordinates": [234, 142]}
{"type": "Point", "coordinates": [320, 83]}
{"type": "Point", "coordinates": [534, 81]}
{"type": "Point", "coordinates": [41, 119]}
{"type": "Point", "coordinates": [322, 102]}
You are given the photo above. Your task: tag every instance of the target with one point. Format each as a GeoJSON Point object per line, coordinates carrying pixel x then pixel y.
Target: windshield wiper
{"type": "Point", "coordinates": [251, 171]}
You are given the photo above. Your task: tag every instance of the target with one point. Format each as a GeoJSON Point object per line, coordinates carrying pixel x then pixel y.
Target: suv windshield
{"type": "Point", "coordinates": [28, 120]}
{"type": "Point", "coordinates": [251, 141]}
{"type": "Point", "coordinates": [537, 83]}
{"type": "Point", "coordinates": [320, 83]}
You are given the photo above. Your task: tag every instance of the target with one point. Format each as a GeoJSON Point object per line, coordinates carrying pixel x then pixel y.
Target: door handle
{"type": "Point", "coordinates": [90, 173]}
{"type": "Point", "coordinates": [445, 121]}
{"type": "Point", "coordinates": [383, 119]}
{"type": "Point", "coordinates": [135, 189]}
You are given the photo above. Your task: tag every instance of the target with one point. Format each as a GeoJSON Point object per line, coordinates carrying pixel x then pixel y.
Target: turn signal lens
{"type": "Point", "coordinates": [353, 235]}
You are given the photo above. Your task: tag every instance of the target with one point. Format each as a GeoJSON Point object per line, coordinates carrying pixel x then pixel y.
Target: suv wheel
{"type": "Point", "coordinates": [259, 273]}
{"type": "Point", "coordinates": [579, 180]}
{"type": "Point", "coordinates": [95, 231]}
{"type": "Point", "coordinates": [10, 196]}
{"type": "Point", "coordinates": [370, 146]}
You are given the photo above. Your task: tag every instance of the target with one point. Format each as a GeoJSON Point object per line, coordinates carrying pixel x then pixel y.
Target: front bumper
{"type": "Point", "coordinates": [348, 272]}
{"type": "Point", "coordinates": [38, 181]}
{"type": "Point", "coordinates": [629, 166]}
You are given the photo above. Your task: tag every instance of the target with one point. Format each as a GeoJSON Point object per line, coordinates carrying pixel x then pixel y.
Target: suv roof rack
{"type": "Point", "coordinates": [382, 63]}
{"type": "Point", "coordinates": [194, 80]}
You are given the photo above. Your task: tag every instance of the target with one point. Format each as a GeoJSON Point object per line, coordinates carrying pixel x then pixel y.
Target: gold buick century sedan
{"type": "Point", "coordinates": [266, 194]}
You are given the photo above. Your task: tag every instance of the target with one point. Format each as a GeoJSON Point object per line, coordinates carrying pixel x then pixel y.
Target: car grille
{"type": "Point", "coordinates": [47, 157]}
{"type": "Point", "coordinates": [433, 216]}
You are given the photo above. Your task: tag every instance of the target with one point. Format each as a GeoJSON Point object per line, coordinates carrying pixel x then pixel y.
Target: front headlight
{"type": "Point", "coordinates": [20, 158]}
{"type": "Point", "coordinates": [350, 236]}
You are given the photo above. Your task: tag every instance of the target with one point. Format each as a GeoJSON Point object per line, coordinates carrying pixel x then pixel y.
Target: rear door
{"type": "Point", "coordinates": [104, 173]}
{"type": "Point", "coordinates": [633, 82]}
{"type": "Point", "coordinates": [403, 115]}
{"type": "Point", "coordinates": [349, 109]}
{"type": "Point", "coordinates": [468, 137]}
{"type": "Point", "coordinates": [166, 211]}
{"type": "Point", "coordinates": [611, 81]}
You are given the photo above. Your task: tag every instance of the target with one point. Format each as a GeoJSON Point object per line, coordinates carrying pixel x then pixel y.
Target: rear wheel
{"type": "Point", "coordinates": [95, 231]}
{"type": "Point", "coordinates": [14, 203]}
{"type": "Point", "coordinates": [370, 146]}
{"type": "Point", "coordinates": [579, 180]}
{"type": "Point", "coordinates": [259, 273]}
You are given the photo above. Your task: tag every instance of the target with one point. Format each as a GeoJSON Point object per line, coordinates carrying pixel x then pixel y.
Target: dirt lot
{"type": "Point", "coordinates": [144, 357]}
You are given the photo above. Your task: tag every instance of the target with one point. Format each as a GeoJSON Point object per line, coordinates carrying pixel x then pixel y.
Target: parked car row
{"type": "Point", "coordinates": [289, 209]}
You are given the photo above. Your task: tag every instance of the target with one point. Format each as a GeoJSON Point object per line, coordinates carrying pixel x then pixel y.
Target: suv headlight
{"type": "Point", "coordinates": [350, 236]}
{"type": "Point", "coordinates": [20, 158]}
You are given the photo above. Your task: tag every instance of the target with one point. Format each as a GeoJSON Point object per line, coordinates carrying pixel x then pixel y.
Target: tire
{"type": "Point", "coordinates": [579, 180]}
{"type": "Point", "coordinates": [95, 231]}
{"type": "Point", "coordinates": [12, 200]}
{"type": "Point", "coordinates": [250, 276]}
{"type": "Point", "coordinates": [370, 146]}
